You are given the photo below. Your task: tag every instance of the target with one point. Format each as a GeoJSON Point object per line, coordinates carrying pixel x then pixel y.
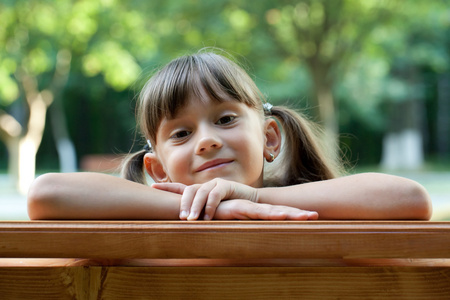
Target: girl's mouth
{"type": "Point", "coordinates": [214, 164]}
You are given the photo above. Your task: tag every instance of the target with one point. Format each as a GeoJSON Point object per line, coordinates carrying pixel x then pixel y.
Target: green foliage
{"type": "Point", "coordinates": [119, 67]}
{"type": "Point", "coordinates": [115, 44]}
{"type": "Point", "coordinates": [9, 90]}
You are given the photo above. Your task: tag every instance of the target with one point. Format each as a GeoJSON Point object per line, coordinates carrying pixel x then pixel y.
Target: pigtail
{"type": "Point", "coordinates": [304, 159]}
{"type": "Point", "coordinates": [133, 167]}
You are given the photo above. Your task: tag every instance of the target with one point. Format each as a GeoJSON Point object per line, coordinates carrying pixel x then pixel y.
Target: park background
{"type": "Point", "coordinates": [375, 74]}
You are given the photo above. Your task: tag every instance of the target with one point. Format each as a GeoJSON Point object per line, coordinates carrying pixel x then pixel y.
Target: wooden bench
{"type": "Point", "coordinates": [224, 260]}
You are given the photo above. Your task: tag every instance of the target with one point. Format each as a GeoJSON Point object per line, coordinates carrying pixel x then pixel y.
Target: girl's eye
{"type": "Point", "coordinates": [180, 134]}
{"type": "Point", "coordinates": [225, 120]}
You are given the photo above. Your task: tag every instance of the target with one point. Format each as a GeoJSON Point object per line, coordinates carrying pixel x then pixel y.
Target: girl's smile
{"type": "Point", "coordinates": [214, 164]}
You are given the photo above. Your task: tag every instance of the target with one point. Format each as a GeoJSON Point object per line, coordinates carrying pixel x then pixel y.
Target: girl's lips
{"type": "Point", "coordinates": [213, 163]}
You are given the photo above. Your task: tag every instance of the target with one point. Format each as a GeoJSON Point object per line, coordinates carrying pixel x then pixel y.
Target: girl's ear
{"type": "Point", "coordinates": [154, 168]}
{"type": "Point", "coordinates": [272, 140]}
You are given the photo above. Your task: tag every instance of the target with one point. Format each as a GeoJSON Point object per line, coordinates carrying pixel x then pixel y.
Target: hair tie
{"type": "Point", "coordinates": [267, 108]}
{"type": "Point", "coordinates": [148, 146]}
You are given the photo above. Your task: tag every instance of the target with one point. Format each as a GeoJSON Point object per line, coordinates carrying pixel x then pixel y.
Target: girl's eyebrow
{"type": "Point", "coordinates": [170, 124]}
{"type": "Point", "coordinates": [166, 127]}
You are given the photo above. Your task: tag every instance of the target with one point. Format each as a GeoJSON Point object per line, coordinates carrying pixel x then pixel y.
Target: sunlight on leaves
{"type": "Point", "coordinates": [91, 65]}
{"type": "Point", "coordinates": [46, 20]}
{"type": "Point", "coordinates": [9, 90]}
{"type": "Point", "coordinates": [38, 61]}
{"type": "Point", "coordinates": [119, 66]}
{"type": "Point", "coordinates": [239, 19]}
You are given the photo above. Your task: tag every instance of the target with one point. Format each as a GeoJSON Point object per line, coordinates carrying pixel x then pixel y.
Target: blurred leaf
{"type": "Point", "coordinates": [8, 89]}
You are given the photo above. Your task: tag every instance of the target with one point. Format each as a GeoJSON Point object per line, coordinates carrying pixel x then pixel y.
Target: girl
{"type": "Point", "coordinates": [209, 133]}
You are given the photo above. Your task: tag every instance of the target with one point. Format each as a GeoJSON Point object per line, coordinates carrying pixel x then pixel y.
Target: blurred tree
{"type": "Point", "coordinates": [326, 36]}
{"type": "Point", "coordinates": [87, 57]}
{"type": "Point", "coordinates": [40, 41]}
{"type": "Point", "coordinates": [361, 52]}
{"type": "Point", "coordinates": [417, 38]}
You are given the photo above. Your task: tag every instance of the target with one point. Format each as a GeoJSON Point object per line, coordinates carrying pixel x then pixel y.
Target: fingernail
{"type": "Point", "coordinates": [312, 215]}
{"type": "Point", "coordinates": [192, 216]}
{"type": "Point", "coordinates": [206, 218]}
{"type": "Point", "coordinates": [183, 215]}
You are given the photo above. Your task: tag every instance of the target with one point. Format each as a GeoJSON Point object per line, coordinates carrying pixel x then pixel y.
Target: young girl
{"type": "Point", "coordinates": [210, 137]}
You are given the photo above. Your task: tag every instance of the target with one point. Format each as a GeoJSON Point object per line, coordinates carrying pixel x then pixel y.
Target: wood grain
{"type": "Point", "coordinates": [224, 260]}
{"type": "Point", "coordinates": [225, 283]}
{"type": "Point", "coordinates": [225, 240]}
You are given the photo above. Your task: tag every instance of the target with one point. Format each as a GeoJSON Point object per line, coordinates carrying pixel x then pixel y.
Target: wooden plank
{"type": "Point", "coordinates": [225, 283]}
{"type": "Point", "coordinates": [225, 240]}
{"type": "Point", "coordinates": [364, 262]}
{"type": "Point", "coordinates": [224, 260]}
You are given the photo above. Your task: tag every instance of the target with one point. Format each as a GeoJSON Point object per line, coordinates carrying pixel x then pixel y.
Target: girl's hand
{"type": "Point", "coordinates": [207, 195]}
{"type": "Point", "coordinates": [247, 210]}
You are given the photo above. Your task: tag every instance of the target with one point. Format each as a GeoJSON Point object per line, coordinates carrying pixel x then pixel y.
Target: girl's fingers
{"type": "Point", "coordinates": [286, 213]}
{"type": "Point", "coordinates": [215, 196]}
{"type": "Point", "coordinates": [187, 192]}
{"type": "Point", "coordinates": [289, 213]}
{"type": "Point", "coordinates": [187, 212]}
{"type": "Point", "coordinates": [208, 196]}
{"type": "Point", "coordinates": [177, 188]}
{"type": "Point", "coordinates": [313, 215]}
{"type": "Point", "coordinates": [245, 210]}
{"type": "Point", "coordinates": [214, 199]}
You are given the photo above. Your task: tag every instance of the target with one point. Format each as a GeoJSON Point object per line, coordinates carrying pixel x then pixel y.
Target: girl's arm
{"type": "Point", "coordinates": [362, 196]}
{"type": "Point", "coordinates": [95, 196]}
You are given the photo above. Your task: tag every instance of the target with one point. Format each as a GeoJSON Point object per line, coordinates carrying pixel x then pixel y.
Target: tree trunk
{"type": "Point", "coordinates": [27, 163]}
{"type": "Point", "coordinates": [29, 144]}
{"type": "Point", "coordinates": [21, 161]}
{"type": "Point", "coordinates": [64, 146]}
{"type": "Point", "coordinates": [22, 145]}
{"type": "Point", "coordinates": [326, 109]}
{"type": "Point", "coordinates": [403, 144]}
{"type": "Point", "coordinates": [12, 145]}
{"type": "Point", "coordinates": [10, 131]}
{"type": "Point", "coordinates": [22, 148]}
{"type": "Point", "coordinates": [443, 118]}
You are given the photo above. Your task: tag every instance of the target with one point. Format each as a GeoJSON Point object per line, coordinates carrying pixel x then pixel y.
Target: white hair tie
{"type": "Point", "coordinates": [267, 108]}
{"type": "Point", "coordinates": [148, 146]}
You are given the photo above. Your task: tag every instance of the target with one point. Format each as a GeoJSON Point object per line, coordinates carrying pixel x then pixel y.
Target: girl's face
{"type": "Point", "coordinates": [208, 139]}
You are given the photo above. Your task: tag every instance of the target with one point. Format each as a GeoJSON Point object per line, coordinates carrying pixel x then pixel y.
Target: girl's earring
{"type": "Point", "coordinates": [272, 157]}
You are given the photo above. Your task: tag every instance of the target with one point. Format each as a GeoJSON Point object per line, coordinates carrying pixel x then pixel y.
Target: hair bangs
{"type": "Point", "coordinates": [223, 80]}
{"type": "Point", "coordinates": [191, 77]}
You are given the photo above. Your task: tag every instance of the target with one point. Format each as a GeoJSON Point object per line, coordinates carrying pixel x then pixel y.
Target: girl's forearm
{"type": "Point", "coordinates": [98, 196]}
{"type": "Point", "coordinates": [361, 196]}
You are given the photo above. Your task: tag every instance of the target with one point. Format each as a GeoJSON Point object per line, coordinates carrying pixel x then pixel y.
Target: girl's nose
{"type": "Point", "coordinates": [207, 141]}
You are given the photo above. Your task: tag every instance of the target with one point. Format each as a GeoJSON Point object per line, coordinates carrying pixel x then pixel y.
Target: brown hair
{"type": "Point", "coordinates": [170, 88]}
